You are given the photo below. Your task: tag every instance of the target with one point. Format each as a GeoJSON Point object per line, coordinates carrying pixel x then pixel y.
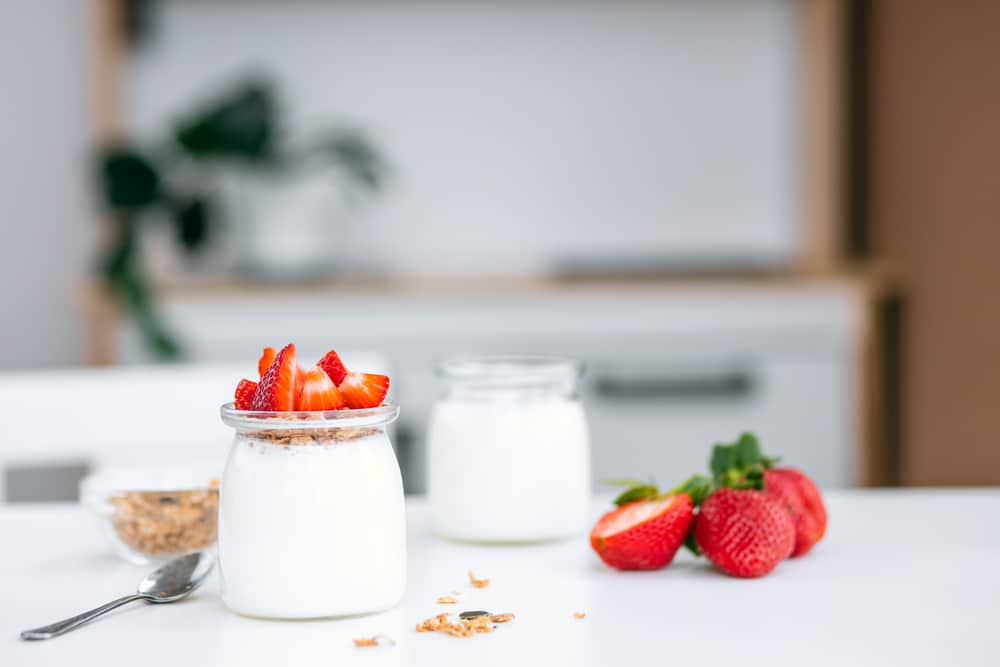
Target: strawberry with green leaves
{"type": "Point", "coordinates": [647, 528]}
{"type": "Point", "coordinates": [743, 465]}
{"type": "Point", "coordinates": [759, 515]}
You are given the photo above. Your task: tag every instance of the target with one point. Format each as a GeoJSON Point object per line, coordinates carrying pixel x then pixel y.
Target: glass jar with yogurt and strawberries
{"type": "Point", "coordinates": [311, 516]}
{"type": "Point", "coordinates": [508, 450]}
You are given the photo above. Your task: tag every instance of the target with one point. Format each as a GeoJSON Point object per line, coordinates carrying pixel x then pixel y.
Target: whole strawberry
{"type": "Point", "coordinates": [646, 529]}
{"type": "Point", "coordinates": [802, 499]}
{"type": "Point", "coordinates": [744, 532]}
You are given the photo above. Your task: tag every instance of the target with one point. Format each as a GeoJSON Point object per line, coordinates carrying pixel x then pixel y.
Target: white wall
{"type": "Point", "coordinates": [45, 228]}
{"type": "Point", "coordinates": [524, 133]}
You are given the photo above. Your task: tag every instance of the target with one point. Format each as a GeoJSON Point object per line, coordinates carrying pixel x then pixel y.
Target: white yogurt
{"type": "Point", "coordinates": [512, 469]}
{"type": "Point", "coordinates": [312, 530]}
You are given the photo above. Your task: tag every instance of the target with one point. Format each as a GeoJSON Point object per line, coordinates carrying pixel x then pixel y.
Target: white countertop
{"type": "Point", "coordinates": [903, 577]}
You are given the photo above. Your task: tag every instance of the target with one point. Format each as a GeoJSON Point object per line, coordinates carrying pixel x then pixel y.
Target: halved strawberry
{"type": "Point", "coordinates": [364, 390]}
{"type": "Point", "coordinates": [333, 366]}
{"type": "Point", "coordinates": [278, 385]}
{"type": "Point", "coordinates": [244, 394]}
{"type": "Point", "coordinates": [265, 361]}
{"type": "Point", "coordinates": [643, 534]}
{"type": "Point", "coordinates": [318, 392]}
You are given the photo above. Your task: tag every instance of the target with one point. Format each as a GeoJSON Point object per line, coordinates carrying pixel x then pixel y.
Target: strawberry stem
{"type": "Point", "coordinates": [697, 486]}
{"type": "Point", "coordinates": [741, 464]}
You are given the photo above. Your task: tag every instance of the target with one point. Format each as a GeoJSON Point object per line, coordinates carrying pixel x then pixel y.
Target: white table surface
{"type": "Point", "coordinates": [902, 578]}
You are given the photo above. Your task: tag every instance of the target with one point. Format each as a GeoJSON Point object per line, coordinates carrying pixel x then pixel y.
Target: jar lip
{"type": "Point", "coordinates": [257, 420]}
{"type": "Point", "coordinates": [509, 369]}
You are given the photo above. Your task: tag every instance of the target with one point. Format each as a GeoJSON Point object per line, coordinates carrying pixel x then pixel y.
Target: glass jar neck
{"type": "Point", "coordinates": [485, 378]}
{"type": "Point", "coordinates": [335, 424]}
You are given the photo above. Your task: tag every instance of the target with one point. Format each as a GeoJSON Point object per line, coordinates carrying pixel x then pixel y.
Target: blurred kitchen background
{"type": "Point", "coordinates": [769, 215]}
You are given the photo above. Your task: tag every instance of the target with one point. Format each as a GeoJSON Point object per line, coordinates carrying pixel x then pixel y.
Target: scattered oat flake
{"type": "Point", "coordinates": [579, 614]}
{"type": "Point", "coordinates": [377, 640]}
{"type": "Point", "coordinates": [478, 583]}
{"type": "Point", "coordinates": [447, 599]}
{"type": "Point", "coordinates": [501, 618]}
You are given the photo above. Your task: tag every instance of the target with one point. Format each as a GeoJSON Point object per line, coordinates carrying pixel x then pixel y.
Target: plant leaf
{"type": "Point", "coordinates": [128, 180]}
{"type": "Point", "coordinates": [128, 282]}
{"type": "Point", "coordinates": [241, 124]}
{"type": "Point", "coordinates": [353, 151]}
{"type": "Point", "coordinates": [192, 221]}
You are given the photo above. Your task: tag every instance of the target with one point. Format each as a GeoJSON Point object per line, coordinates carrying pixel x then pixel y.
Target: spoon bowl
{"type": "Point", "coordinates": [176, 579]}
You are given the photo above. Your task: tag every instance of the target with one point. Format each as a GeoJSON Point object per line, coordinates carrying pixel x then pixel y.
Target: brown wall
{"type": "Point", "coordinates": [935, 212]}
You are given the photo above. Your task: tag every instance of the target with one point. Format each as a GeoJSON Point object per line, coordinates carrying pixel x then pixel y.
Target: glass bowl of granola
{"type": "Point", "coordinates": [154, 514]}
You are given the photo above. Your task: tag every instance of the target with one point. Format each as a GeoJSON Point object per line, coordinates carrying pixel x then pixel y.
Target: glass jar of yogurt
{"type": "Point", "coordinates": [508, 450]}
{"type": "Point", "coordinates": [311, 517]}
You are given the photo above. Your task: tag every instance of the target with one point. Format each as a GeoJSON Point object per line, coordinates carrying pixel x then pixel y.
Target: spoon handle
{"type": "Point", "coordinates": [56, 629]}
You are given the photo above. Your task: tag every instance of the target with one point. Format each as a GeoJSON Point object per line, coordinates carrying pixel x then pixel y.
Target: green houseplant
{"type": "Point", "coordinates": [144, 185]}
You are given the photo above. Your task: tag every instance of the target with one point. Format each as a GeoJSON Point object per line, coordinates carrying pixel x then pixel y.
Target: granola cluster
{"type": "Point", "coordinates": [160, 523]}
{"type": "Point", "coordinates": [306, 436]}
{"type": "Point", "coordinates": [463, 627]}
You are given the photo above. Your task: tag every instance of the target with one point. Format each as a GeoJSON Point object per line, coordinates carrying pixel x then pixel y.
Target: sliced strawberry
{"type": "Point", "coordinates": [364, 390]}
{"type": "Point", "coordinates": [278, 385]}
{"type": "Point", "coordinates": [643, 534]}
{"type": "Point", "coordinates": [318, 392]}
{"type": "Point", "coordinates": [244, 394]}
{"type": "Point", "coordinates": [265, 361]}
{"type": "Point", "coordinates": [333, 366]}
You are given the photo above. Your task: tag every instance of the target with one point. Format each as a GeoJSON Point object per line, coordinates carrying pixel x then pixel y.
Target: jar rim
{"type": "Point", "coordinates": [258, 420]}
{"type": "Point", "coordinates": [510, 370]}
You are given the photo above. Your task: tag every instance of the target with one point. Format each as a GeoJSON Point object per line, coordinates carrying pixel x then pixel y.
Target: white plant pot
{"type": "Point", "coordinates": [286, 225]}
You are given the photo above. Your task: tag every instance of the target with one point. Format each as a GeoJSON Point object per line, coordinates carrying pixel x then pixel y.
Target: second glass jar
{"type": "Point", "coordinates": [508, 450]}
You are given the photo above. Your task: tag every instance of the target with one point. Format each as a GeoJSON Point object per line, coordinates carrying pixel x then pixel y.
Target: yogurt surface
{"type": "Point", "coordinates": [312, 530]}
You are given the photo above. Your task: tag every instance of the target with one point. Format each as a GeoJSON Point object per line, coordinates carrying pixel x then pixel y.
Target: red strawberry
{"type": "Point", "coordinates": [364, 390]}
{"type": "Point", "coordinates": [278, 385]}
{"type": "Point", "coordinates": [643, 534]}
{"type": "Point", "coordinates": [265, 361]}
{"type": "Point", "coordinates": [333, 366]}
{"type": "Point", "coordinates": [802, 499]}
{"type": "Point", "coordinates": [244, 394]}
{"type": "Point", "coordinates": [745, 532]}
{"type": "Point", "coordinates": [318, 392]}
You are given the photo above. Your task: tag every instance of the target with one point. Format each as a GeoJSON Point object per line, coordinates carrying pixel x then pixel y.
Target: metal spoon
{"type": "Point", "coordinates": [169, 583]}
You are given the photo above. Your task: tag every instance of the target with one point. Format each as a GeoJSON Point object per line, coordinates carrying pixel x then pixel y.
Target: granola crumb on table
{"type": "Point", "coordinates": [478, 583]}
{"type": "Point", "coordinates": [579, 614]}
{"type": "Point", "coordinates": [446, 599]}
{"type": "Point", "coordinates": [463, 627]}
{"type": "Point", "coordinates": [377, 640]}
